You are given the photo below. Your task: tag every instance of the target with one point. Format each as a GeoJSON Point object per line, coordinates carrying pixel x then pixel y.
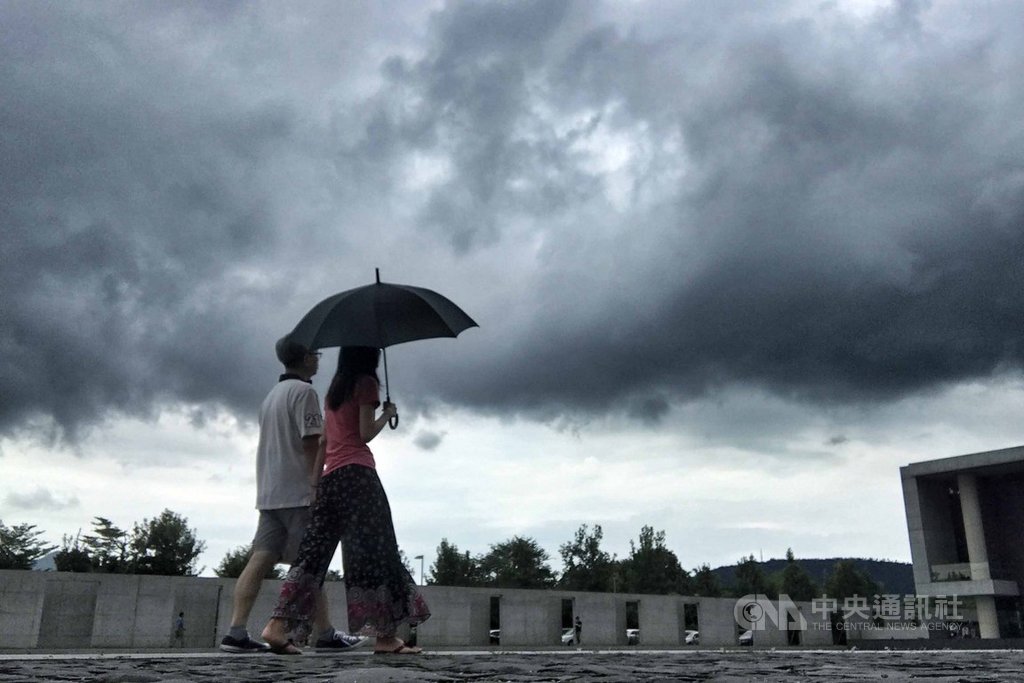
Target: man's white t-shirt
{"type": "Point", "coordinates": [289, 412]}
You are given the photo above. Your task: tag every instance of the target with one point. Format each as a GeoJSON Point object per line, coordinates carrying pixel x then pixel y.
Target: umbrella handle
{"type": "Point", "coordinates": [393, 420]}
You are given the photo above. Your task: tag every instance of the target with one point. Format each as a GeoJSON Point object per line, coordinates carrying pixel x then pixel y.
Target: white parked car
{"type": "Point", "coordinates": [495, 638]}
{"type": "Point", "coordinates": [747, 638]}
{"type": "Point", "coordinates": [692, 638]}
{"type": "Point", "coordinates": [568, 635]}
{"type": "Point", "coordinates": [632, 636]}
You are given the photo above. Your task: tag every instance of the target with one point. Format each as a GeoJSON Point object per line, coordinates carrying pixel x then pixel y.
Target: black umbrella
{"type": "Point", "coordinates": [380, 315]}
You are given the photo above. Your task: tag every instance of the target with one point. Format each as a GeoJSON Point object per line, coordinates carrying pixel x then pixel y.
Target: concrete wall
{"type": "Point", "coordinates": [21, 607]}
{"type": "Point", "coordinates": [604, 619]}
{"type": "Point", "coordinates": [57, 610]}
{"type": "Point", "coordinates": [459, 616]}
{"type": "Point", "coordinates": [717, 624]}
{"type": "Point", "coordinates": [659, 619]}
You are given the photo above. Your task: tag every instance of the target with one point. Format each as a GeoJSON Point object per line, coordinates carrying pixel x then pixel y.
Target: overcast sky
{"type": "Point", "coordinates": [733, 263]}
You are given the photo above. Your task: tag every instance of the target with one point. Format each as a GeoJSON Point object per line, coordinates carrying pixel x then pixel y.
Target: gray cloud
{"type": "Point", "coordinates": [428, 441]}
{"type": "Point", "coordinates": [40, 499]}
{"type": "Point", "coordinates": [638, 210]}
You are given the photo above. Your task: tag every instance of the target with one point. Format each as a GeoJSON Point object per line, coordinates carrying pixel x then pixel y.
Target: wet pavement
{"type": "Point", "coordinates": [606, 666]}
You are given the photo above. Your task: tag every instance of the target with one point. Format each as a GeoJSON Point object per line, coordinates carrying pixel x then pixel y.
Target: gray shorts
{"type": "Point", "coordinates": [280, 531]}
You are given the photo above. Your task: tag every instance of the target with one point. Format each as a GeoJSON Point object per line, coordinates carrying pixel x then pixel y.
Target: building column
{"type": "Point", "coordinates": [988, 620]}
{"type": "Point", "coordinates": [973, 529]}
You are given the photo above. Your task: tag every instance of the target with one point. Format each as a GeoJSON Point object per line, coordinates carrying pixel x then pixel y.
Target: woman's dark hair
{"type": "Point", "coordinates": [353, 362]}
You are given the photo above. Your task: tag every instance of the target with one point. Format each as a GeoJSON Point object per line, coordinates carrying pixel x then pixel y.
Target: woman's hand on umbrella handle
{"type": "Point", "coordinates": [391, 410]}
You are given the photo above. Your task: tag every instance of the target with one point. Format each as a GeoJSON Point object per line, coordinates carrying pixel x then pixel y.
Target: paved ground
{"type": "Point", "coordinates": [732, 666]}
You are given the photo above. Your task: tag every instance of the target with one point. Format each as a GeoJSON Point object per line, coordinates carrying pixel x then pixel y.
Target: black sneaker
{"type": "Point", "coordinates": [341, 641]}
{"type": "Point", "coordinates": [243, 646]}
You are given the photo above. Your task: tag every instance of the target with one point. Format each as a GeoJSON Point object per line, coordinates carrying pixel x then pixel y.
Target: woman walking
{"type": "Point", "coordinates": [351, 507]}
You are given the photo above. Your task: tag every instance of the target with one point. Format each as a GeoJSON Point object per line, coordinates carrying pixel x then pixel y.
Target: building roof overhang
{"type": "Point", "coordinates": [988, 463]}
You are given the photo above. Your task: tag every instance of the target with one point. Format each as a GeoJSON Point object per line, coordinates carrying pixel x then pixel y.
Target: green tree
{"type": "Point", "coordinates": [706, 583]}
{"type": "Point", "coordinates": [750, 579]}
{"type": "Point", "coordinates": [21, 546]}
{"type": "Point", "coordinates": [165, 546]}
{"type": "Point", "coordinates": [107, 547]}
{"type": "Point", "coordinates": [846, 581]}
{"type": "Point", "coordinates": [517, 563]}
{"type": "Point", "coordinates": [234, 561]}
{"type": "Point", "coordinates": [585, 567]}
{"type": "Point", "coordinates": [72, 556]}
{"type": "Point", "coordinates": [796, 582]}
{"type": "Point", "coordinates": [652, 568]}
{"type": "Point", "coordinates": [452, 568]}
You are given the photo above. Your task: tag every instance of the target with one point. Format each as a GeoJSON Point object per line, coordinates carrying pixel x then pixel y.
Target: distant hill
{"type": "Point", "coordinates": [892, 577]}
{"type": "Point", "coordinates": [46, 563]}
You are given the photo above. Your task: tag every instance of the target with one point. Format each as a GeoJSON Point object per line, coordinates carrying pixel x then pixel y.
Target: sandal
{"type": "Point", "coordinates": [277, 639]}
{"type": "Point", "coordinates": [401, 649]}
{"type": "Point", "coordinates": [288, 648]}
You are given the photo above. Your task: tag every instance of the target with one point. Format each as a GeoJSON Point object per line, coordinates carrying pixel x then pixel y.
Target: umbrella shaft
{"type": "Point", "coordinates": [393, 420]}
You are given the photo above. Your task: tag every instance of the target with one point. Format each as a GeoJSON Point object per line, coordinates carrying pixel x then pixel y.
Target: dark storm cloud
{"type": "Point", "coordinates": [125, 203]}
{"type": "Point", "coordinates": [847, 223]}
{"type": "Point", "coordinates": [638, 209]}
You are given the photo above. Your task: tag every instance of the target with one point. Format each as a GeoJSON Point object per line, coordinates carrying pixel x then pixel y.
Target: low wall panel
{"type": "Point", "coordinates": [154, 612]}
{"type": "Point", "coordinates": [601, 623]}
{"type": "Point", "coordinates": [717, 623]}
{"type": "Point", "coordinates": [21, 607]}
{"type": "Point", "coordinates": [659, 620]}
{"type": "Point", "coordinates": [69, 608]}
{"type": "Point", "coordinates": [116, 600]}
{"type": "Point", "coordinates": [458, 616]}
{"type": "Point", "coordinates": [530, 618]}
{"type": "Point", "coordinates": [198, 602]}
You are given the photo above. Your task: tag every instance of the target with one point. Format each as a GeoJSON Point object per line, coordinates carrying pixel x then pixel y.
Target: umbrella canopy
{"type": "Point", "coordinates": [380, 315]}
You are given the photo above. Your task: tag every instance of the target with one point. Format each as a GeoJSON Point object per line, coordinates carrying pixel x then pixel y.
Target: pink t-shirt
{"type": "Point", "coordinates": [341, 427]}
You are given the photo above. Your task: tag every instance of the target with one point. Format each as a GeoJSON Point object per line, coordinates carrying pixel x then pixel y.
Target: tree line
{"type": "Point", "coordinates": [650, 568]}
{"type": "Point", "coordinates": [162, 545]}
{"type": "Point", "coordinates": [166, 545]}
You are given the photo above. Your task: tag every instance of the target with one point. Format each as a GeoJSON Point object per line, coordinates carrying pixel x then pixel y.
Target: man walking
{"type": "Point", "coordinates": [289, 462]}
{"type": "Point", "coordinates": [179, 630]}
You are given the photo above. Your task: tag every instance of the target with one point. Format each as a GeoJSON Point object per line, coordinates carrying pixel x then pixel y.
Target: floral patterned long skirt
{"type": "Point", "coordinates": [351, 507]}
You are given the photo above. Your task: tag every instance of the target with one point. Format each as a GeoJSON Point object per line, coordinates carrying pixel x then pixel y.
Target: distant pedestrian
{"type": "Point", "coordinates": [577, 630]}
{"type": "Point", "coordinates": [179, 630]}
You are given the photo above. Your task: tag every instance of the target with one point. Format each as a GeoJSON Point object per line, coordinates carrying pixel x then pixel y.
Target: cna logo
{"type": "Point", "coordinates": [757, 612]}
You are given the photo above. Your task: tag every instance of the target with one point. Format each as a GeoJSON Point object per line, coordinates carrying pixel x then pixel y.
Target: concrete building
{"type": "Point", "coordinates": [965, 516]}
